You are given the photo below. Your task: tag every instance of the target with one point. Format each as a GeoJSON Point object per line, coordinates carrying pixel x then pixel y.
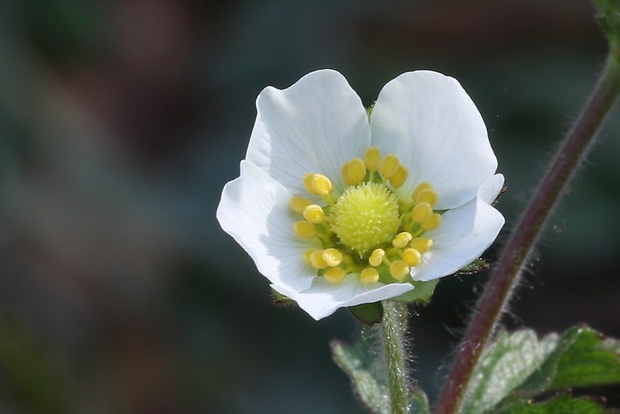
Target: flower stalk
{"type": "Point", "coordinates": [519, 247]}
{"type": "Point", "coordinates": [393, 329]}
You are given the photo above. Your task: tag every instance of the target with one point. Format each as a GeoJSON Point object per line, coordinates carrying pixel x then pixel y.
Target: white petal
{"type": "Point", "coordinates": [465, 233]}
{"type": "Point", "coordinates": [323, 298]}
{"type": "Point", "coordinates": [430, 122]}
{"type": "Point", "coordinates": [316, 125]}
{"type": "Point", "coordinates": [254, 211]}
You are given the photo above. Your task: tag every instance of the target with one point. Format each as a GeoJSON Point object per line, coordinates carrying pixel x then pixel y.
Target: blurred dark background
{"type": "Point", "coordinates": [120, 121]}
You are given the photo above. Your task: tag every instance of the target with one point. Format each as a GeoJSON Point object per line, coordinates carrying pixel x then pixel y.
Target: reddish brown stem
{"type": "Point", "coordinates": [525, 235]}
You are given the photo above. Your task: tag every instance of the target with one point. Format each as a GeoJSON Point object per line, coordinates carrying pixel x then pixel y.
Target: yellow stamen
{"type": "Point", "coordinates": [348, 180]}
{"type": "Point", "coordinates": [389, 166]}
{"type": "Point", "coordinates": [432, 223]}
{"type": "Point", "coordinates": [307, 254]}
{"type": "Point", "coordinates": [399, 178]}
{"type": "Point", "coordinates": [369, 275]}
{"type": "Point", "coordinates": [372, 159]}
{"type": "Point", "coordinates": [314, 214]}
{"type": "Point", "coordinates": [422, 212]}
{"type": "Point", "coordinates": [402, 239]}
{"type": "Point", "coordinates": [298, 204]}
{"type": "Point", "coordinates": [335, 275]}
{"type": "Point", "coordinates": [332, 257]}
{"type": "Point", "coordinates": [427, 196]}
{"type": "Point", "coordinates": [316, 259]}
{"type": "Point", "coordinates": [421, 187]}
{"type": "Point", "coordinates": [421, 244]}
{"type": "Point", "coordinates": [308, 182]}
{"type": "Point", "coordinates": [304, 229]}
{"type": "Point", "coordinates": [357, 170]}
{"type": "Point", "coordinates": [376, 258]}
{"type": "Point", "coordinates": [412, 257]}
{"type": "Point", "coordinates": [321, 185]}
{"type": "Point", "coordinates": [399, 270]}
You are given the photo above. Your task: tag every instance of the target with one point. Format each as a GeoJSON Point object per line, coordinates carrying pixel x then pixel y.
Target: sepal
{"type": "Point", "coordinates": [421, 294]}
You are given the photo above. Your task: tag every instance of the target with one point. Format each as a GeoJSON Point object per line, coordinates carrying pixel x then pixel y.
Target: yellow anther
{"type": "Point", "coordinates": [422, 212]}
{"type": "Point", "coordinates": [389, 166]}
{"type": "Point", "coordinates": [348, 180]}
{"type": "Point", "coordinates": [432, 223]}
{"type": "Point", "coordinates": [298, 204]}
{"type": "Point", "coordinates": [314, 214]}
{"type": "Point", "coordinates": [321, 185]}
{"type": "Point", "coordinates": [304, 229]}
{"type": "Point", "coordinates": [335, 275]}
{"type": "Point", "coordinates": [357, 170]}
{"type": "Point", "coordinates": [308, 182]}
{"type": "Point", "coordinates": [372, 159]}
{"type": "Point", "coordinates": [421, 244]}
{"type": "Point", "coordinates": [332, 257]}
{"type": "Point", "coordinates": [316, 259]}
{"type": "Point", "coordinates": [307, 254]}
{"type": "Point", "coordinates": [369, 275]}
{"type": "Point", "coordinates": [398, 179]}
{"type": "Point", "coordinates": [399, 270]}
{"type": "Point", "coordinates": [376, 258]}
{"type": "Point", "coordinates": [412, 257]}
{"type": "Point", "coordinates": [427, 196]}
{"type": "Point", "coordinates": [421, 187]}
{"type": "Point", "coordinates": [402, 239]}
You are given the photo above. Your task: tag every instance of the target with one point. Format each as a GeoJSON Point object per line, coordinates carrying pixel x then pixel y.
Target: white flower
{"type": "Point", "coordinates": [337, 210]}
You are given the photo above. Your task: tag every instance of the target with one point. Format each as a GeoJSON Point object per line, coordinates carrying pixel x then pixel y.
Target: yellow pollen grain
{"type": "Point", "coordinates": [369, 275]}
{"type": "Point", "coordinates": [399, 178]}
{"type": "Point", "coordinates": [335, 275]}
{"type": "Point", "coordinates": [376, 258]}
{"type": "Point", "coordinates": [412, 257]}
{"type": "Point", "coordinates": [427, 196]}
{"type": "Point", "coordinates": [389, 166]}
{"type": "Point", "coordinates": [421, 244]}
{"type": "Point", "coordinates": [372, 159]}
{"type": "Point", "coordinates": [304, 229]}
{"type": "Point", "coordinates": [298, 204]}
{"type": "Point", "coordinates": [432, 223]}
{"type": "Point", "coordinates": [332, 257]}
{"type": "Point", "coordinates": [317, 261]}
{"type": "Point", "coordinates": [399, 270]}
{"type": "Point", "coordinates": [422, 212]}
{"type": "Point", "coordinates": [357, 170]}
{"type": "Point", "coordinates": [402, 239]}
{"type": "Point", "coordinates": [421, 187]}
{"type": "Point", "coordinates": [314, 214]}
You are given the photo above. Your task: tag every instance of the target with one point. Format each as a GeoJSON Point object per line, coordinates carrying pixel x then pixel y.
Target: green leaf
{"type": "Point", "coordinates": [357, 362]}
{"type": "Point", "coordinates": [583, 357]}
{"type": "Point", "coordinates": [503, 367]}
{"type": "Point", "coordinates": [363, 364]}
{"type": "Point", "coordinates": [420, 295]}
{"type": "Point", "coordinates": [608, 15]}
{"type": "Point", "coordinates": [520, 366]}
{"type": "Point", "coordinates": [563, 404]}
{"type": "Point", "coordinates": [368, 313]}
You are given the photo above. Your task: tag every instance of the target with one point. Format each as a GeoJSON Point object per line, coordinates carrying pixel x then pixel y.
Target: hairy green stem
{"type": "Point", "coordinates": [525, 235]}
{"type": "Point", "coordinates": [394, 328]}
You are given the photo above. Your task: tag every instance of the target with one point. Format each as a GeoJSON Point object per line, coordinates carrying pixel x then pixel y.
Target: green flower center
{"type": "Point", "coordinates": [365, 217]}
{"type": "Point", "coordinates": [366, 230]}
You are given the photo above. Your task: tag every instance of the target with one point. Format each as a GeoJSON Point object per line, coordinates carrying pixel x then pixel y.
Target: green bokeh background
{"type": "Point", "coordinates": [120, 121]}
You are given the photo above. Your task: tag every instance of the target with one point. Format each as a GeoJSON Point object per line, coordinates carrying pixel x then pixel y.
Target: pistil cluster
{"type": "Point", "coordinates": [367, 229]}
